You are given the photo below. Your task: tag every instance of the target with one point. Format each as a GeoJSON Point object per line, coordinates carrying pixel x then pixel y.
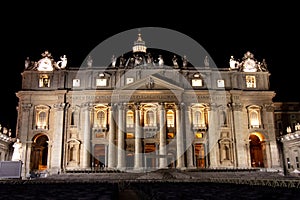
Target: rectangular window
{"type": "Point", "coordinates": [199, 135]}
{"type": "Point", "coordinates": [100, 135]}
{"type": "Point", "coordinates": [170, 119]}
{"type": "Point", "coordinates": [196, 82]}
{"type": "Point", "coordinates": [250, 82]}
{"type": "Point", "coordinates": [288, 163]}
{"type": "Point", "coordinates": [170, 135]}
{"type": "Point", "coordinates": [220, 83]}
{"type": "Point", "coordinates": [130, 119]}
{"type": "Point", "coordinates": [129, 135]}
{"type": "Point", "coordinates": [76, 82]}
{"type": "Point", "coordinates": [101, 82]}
{"type": "Point", "coordinates": [129, 80]}
{"type": "Point", "coordinates": [44, 81]}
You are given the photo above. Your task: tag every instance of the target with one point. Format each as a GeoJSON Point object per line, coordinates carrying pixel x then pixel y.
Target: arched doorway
{"type": "Point", "coordinates": [171, 159]}
{"type": "Point", "coordinates": [150, 155]}
{"type": "Point", "coordinates": [199, 155]}
{"type": "Point", "coordinates": [39, 153]}
{"type": "Point", "coordinates": [256, 150]}
{"type": "Point", "coordinates": [99, 156]}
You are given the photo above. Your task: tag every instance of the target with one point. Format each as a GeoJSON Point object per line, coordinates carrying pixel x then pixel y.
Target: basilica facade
{"type": "Point", "coordinates": [140, 114]}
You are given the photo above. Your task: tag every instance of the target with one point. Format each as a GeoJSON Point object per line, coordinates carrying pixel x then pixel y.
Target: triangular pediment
{"type": "Point", "coordinates": [153, 82]}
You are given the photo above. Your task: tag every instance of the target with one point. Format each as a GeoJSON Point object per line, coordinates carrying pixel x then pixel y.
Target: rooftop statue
{"type": "Point", "coordinates": [206, 61]}
{"type": "Point", "coordinates": [89, 61]}
{"type": "Point", "coordinates": [113, 61]}
{"type": "Point", "coordinates": [160, 60]}
{"type": "Point", "coordinates": [233, 64]}
{"type": "Point", "coordinates": [174, 59]}
{"type": "Point", "coordinates": [149, 58]}
{"type": "Point", "coordinates": [122, 61]}
{"type": "Point", "coordinates": [63, 62]}
{"type": "Point", "coordinates": [27, 63]}
{"type": "Point", "coordinates": [184, 61]}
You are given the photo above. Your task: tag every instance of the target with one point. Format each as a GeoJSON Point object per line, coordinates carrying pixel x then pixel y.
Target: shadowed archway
{"type": "Point", "coordinates": [39, 153]}
{"type": "Point", "coordinates": [256, 150]}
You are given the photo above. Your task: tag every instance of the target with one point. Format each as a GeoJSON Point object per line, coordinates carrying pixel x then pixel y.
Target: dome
{"type": "Point", "coordinates": [139, 45]}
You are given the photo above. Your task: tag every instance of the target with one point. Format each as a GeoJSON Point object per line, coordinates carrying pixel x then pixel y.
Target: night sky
{"type": "Point", "coordinates": [268, 33]}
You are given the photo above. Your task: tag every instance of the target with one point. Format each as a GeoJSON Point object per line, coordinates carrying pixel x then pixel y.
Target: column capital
{"type": "Point", "coordinates": [121, 105]}
{"type": "Point", "coordinates": [162, 105]}
{"type": "Point", "coordinates": [187, 104]}
{"type": "Point", "coordinates": [180, 105]}
{"type": "Point", "coordinates": [113, 106]}
{"type": "Point", "coordinates": [129, 106]}
{"type": "Point", "coordinates": [212, 107]}
{"type": "Point", "coordinates": [222, 107]}
{"type": "Point", "coordinates": [26, 106]}
{"type": "Point", "coordinates": [137, 105]}
{"type": "Point", "coordinates": [236, 106]}
{"type": "Point", "coordinates": [59, 106]}
{"type": "Point", "coordinates": [87, 105]}
{"type": "Point", "coordinates": [269, 107]}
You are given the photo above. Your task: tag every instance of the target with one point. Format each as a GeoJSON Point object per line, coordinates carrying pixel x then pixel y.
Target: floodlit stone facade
{"type": "Point", "coordinates": [139, 113]}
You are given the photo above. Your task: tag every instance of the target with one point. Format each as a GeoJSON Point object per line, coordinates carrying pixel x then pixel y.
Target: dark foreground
{"type": "Point", "coordinates": [176, 191]}
{"type": "Point", "coordinates": [154, 186]}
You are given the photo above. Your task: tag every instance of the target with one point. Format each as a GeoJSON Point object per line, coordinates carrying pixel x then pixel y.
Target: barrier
{"type": "Point", "coordinates": [10, 169]}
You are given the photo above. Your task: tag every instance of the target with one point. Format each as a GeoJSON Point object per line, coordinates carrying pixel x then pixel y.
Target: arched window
{"type": "Point", "coordinates": [73, 118]}
{"type": "Point", "coordinates": [223, 118]}
{"type": "Point", "coordinates": [254, 119]}
{"type": "Point", "coordinates": [100, 116]}
{"type": "Point", "coordinates": [42, 117]}
{"type": "Point", "coordinates": [170, 118]}
{"type": "Point", "coordinates": [197, 118]}
{"type": "Point", "coordinates": [254, 116]}
{"type": "Point", "coordinates": [101, 119]}
{"type": "Point", "coordinates": [227, 152]}
{"type": "Point", "coordinates": [130, 119]}
{"type": "Point", "coordinates": [42, 113]}
{"type": "Point", "coordinates": [150, 118]}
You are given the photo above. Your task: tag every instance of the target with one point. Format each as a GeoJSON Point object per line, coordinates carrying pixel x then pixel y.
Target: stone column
{"type": "Point", "coordinates": [86, 154]}
{"type": "Point", "coordinates": [272, 149]}
{"type": "Point", "coordinates": [265, 145]}
{"type": "Point", "coordinates": [23, 133]}
{"type": "Point", "coordinates": [27, 159]}
{"type": "Point", "coordinates": [240, 140]}
{"type": "Point", "coordinates": [121, 143]}
{"type": "Point", "coordinates": [138, 138]}
{"type": "Point", "coordinates": [189, 138]}
{"type": "Point", "coordinates": [162, 137]}
{"type": "Point", "coordinates": [179, 136]}
{"type": "Point", "coordinates": [273, 155]}
{"type": "Point", "coordinates": [213, 136]}
{"type": "Point", "coordinates": [111, 138]}
{"type": "Point", "coordinates": [58, 134]}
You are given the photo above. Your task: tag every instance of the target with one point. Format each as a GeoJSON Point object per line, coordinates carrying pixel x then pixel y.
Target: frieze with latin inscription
{"type": "Point", "coordinates": [154, 97]}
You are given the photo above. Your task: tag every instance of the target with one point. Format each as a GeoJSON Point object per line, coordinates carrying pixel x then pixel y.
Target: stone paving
{"type": "Point", "coordinates": [157, 185]}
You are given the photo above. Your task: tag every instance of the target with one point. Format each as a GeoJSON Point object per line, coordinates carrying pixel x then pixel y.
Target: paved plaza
{"type": "Point", "coordinates": [156, 185]}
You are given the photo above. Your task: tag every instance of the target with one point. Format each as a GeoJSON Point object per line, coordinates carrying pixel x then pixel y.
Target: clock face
{"type": "Point", "coordinates": [45, 65]}
{"type": "Point", "coordinates": [249, 65]}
